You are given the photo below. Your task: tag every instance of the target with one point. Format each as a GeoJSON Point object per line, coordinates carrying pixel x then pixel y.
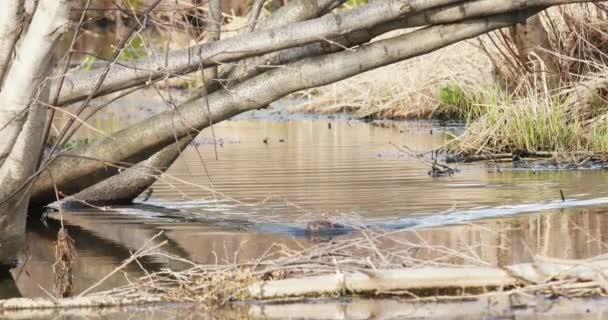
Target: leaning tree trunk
{"type": "Point", "coordinates": [138, 72]}
{"type": "Point", "coordinates": [88, 165]}
{"type": "Point", "coordinates": [130, 183]}
{"type": "Point", "coordinates": [11, 13]}
{"type": "Point", "coordinates": [28, 71]}
{"type": "Point", "coordinates": [130, 74]}
{"type": "Point", "coordinates": [23, 107]}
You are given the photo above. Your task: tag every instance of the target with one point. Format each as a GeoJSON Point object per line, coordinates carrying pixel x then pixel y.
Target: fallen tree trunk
{"type": "Point", "coordinates": [138, 72]}
{"type": "Point", "coordinates": [427, 278]}
{"type": "Point", "coordinates": [127, 185]}
{"type": "Point", "coordinates": [78, 86]}
{"type": "Point", "coordinates": [87, 165]}
{"type": "Point", "coordinates": [130, 183]}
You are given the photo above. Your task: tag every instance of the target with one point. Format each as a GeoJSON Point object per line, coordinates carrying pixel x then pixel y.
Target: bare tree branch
{"type": "Point", "coordinates": [243, 46]}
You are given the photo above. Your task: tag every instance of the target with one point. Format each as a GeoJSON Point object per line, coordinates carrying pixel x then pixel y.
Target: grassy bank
{"type": "Point", "coordinates": [533, 123]}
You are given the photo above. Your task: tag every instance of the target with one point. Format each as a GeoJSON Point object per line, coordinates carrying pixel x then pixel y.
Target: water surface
{"type": "Point", "coordinates": [258, 180]}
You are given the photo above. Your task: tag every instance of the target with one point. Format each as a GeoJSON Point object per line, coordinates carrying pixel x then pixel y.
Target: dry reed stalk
{"type": "Point", "coordinates": [65, 256]}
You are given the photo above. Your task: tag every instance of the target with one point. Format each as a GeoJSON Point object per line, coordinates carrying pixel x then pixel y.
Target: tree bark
{"type": "Point", "coordinates": [11, 13]}
{"type": "Point", "coordinates": [19, 166]}
{"type": "Point", "coordinates": [215, 13]}
{"type": "Point", "coordinates": [130, 183]}
{"type": "Point", "coordinates": [33, 63]}
{"type": "Point", "coordinates": [307, 10]}
{"type": "Point", "coordinates": [27, 71]}
{"type": "Point", "coordinates": [533, 46]}
{"type": "Point", "coordinates": [74, 173]}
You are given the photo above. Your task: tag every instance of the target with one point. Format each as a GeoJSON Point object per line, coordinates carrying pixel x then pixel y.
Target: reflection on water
{"type": "Point", "coordinates": [256, 193]}
{"type": "Point", "coordinates": [307, 167]}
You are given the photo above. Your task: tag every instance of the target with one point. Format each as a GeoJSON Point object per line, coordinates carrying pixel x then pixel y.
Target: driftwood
{"type": "Point", "coordinates": [80, 302]}
{"type": "Point", "coordinates": [420, 280]}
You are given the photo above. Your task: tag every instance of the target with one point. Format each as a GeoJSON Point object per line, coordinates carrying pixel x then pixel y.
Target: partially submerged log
{"type": "Point", "coordinates": [425, 279]}
{"type": "Point", "coordinates": [130, 183]}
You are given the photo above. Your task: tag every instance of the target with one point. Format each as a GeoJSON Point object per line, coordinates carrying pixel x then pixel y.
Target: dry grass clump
{"type": "Point", "coordinates": [531, 123]}
{"type": "Point", "coordinates": [405, 90]}
{"type": "Point", "coordinates": [562, 111]}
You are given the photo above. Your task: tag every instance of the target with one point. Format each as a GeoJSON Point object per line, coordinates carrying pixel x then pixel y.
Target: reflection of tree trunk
{"type": "Point", "coordinates": [532, 43]}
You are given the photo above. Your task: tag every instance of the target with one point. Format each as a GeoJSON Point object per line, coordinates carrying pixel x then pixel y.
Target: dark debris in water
{"type": "Point", "coordinates": [552, 164]}
{"type": "Point", "coordinates": [538, 160]}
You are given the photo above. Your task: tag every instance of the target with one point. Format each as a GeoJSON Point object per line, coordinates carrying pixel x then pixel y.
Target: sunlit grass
{"type": "Point", "coordinates": [531, 123]}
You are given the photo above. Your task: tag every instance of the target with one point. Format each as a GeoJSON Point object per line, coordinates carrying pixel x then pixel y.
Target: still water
{"type": "Point", "coordinates": [258, 180]}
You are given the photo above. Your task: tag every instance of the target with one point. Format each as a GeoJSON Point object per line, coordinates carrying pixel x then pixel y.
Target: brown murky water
{"type": "Point", "coordinates": [229, 201]}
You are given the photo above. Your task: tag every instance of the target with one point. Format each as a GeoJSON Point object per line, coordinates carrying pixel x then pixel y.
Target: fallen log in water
{"type": "Point", "coordinates": [79, 302]}
{"type": "Point", "coordinates": [450, 280]}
